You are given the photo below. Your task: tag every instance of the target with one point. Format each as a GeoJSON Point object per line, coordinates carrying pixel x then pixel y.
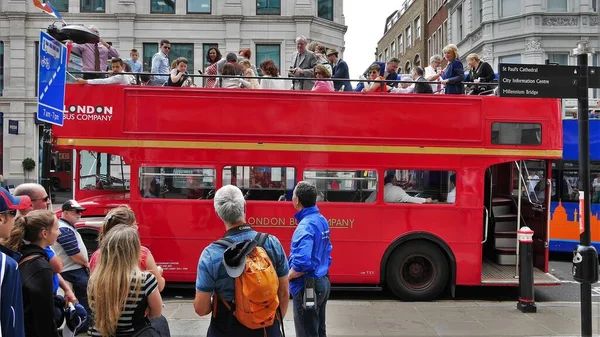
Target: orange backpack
{"type": "Point", "coordinates": [256, 301]}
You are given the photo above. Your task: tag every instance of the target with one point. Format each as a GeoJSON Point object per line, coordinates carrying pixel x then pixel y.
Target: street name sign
{"type": "Point", "coordinates": [52, 73]}
{"type": "Point", "coordinates": [538, 81]}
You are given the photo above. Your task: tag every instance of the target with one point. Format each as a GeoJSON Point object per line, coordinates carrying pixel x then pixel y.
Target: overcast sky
{"type": "Point", "coordinates": [365, 20]}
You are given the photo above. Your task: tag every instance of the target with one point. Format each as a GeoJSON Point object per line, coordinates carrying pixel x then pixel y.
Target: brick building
{"type": "Point", "coordinates": [404, 36]}
{"type": "Point", "coordinates": [437, 28]}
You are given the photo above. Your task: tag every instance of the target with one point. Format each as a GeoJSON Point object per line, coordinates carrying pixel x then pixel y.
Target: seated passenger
{"type": "Point", "coordinates": [373, 74]}
{"type": "Point", "coordinates": [117, 75]}
{"type": "Point", "coordinates": [394, 193]}
{"type": "Point", "coordinates": [452, 194]}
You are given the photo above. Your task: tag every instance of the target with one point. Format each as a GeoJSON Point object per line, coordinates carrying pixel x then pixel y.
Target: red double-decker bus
{"type": "Point", "coordinates": [165, 151]}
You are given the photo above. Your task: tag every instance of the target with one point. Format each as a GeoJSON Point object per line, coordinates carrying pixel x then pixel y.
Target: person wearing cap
{"type": "Point", "coordinates": [394, 193]}
{"type": "Point", "coordinates": [340, 70]}
{"type": "Point", "coordinates": [216, 274]}
{"type": "Point", "coordinates": [70, 248]}
{"type": "Point", "coordinates": [11, 299]}
{"type": "Point", "coordinates": [310, 257]}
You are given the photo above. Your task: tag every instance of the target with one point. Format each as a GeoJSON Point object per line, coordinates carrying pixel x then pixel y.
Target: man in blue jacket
{"type": "Point", "coordinates": [387, 70]}
{"type": "Point", "coordinates": [11, 295]}
{"type": "Point", "coordinates": [340, 70]}
{"type": "Point", "coordinates": [310, 258]}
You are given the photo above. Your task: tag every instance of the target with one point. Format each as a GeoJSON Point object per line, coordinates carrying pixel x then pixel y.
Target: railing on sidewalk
{"type": "Point", "coordinates": [148, 78]}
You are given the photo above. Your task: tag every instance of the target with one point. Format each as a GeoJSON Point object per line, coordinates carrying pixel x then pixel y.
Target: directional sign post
{"type": "Point", "coordinates": [52, 79]}
{"type": "Point", "coordinates": [538, 81]}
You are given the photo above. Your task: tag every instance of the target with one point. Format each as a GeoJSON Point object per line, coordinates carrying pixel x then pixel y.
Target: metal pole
{"type": "Point", "coordinates": [46, 157]}
{"type": "Point", "coordinates": [582, 51]}
{"type": "Point", "coordinates": [520, 182]}
{"type": "Point", "coordinates": [526, 302]}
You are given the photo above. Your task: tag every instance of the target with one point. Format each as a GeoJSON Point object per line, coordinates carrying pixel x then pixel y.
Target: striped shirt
{"type": "Point", "coordinates": [69, 243]}
{"type": "Point", "coordinates": [125, 323]}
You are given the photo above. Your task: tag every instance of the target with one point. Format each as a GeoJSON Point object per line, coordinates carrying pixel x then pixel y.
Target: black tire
{"type": "Point", "coordinates": [56, 184]}
{"type": "Point", "coordinates": [417, 271]}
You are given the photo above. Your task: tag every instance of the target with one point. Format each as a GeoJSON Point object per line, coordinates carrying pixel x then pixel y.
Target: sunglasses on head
{"type": "Point", "coordinates": [45, 199]}
{"type": "Point", "coordinates": [12, 212]}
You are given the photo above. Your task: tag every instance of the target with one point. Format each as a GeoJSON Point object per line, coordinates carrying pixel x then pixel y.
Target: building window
{"type": "Point", "coordinates": [408, 34]}
{"type": "Point", "coordinates": [422, 184]}
{"type": "Point", "coordinates": [430, 47]}
{"type": "Point", "coordinates": [510, 59]}
{"type": "Point", "coordinates": [177, 182]}
{"type": "Point", "coordinates": [262, 182]}
{"type": "Point", "coordinates": [2, 68]}
{"type": "Point", "coordinates": [325, 9]}
{"type": "Point", "coordinates": [435, 39]}
{"type": "Point", "coordinates": [380, 57]}
{"type": "Point", "coordinates": [60, 5]}
{"type": "Point", "coordinates": [407, 67]}
{"type": "Point", "coordinates": [268, 7]}
{"type": "Point", "coordinates": [400, 45]}
{"type": "Point", "coordinates": [418, 28]}
{"type": "Point", "coordinates": [149, 49]}
{"type": "Point", "coordinates": [560, 58]}
{"type": "Point", "coordinates": [93, 6]}
{"type": "Point", "coordinates": [393, 48]}
{"type": "Point", "coordinates": [199, 6]}
{"type": "Point", "coordinates": [516, 133]}
{"type": "Point", "coordinates": [445, 33]}
{"type": "Point", "coordinates": [162, 6]}
{"type": "Point", "coordinates": [478, 13]}
{"type": "Point", "coordinates": [183, 50]}
{"type": "Point", "coordinates": [387, 53]}
{"type": "Point", "coordinates": [268, 51]}
{"type": "Point", "coordinates": [344, 186]}
{"type": "Point", "coordinates": [594, 5]}
{"type": "Point", "coordinates": [557, 5]}
{"type": "Point", "coordinates": [459, 21]}
{"type": "Point", "coordinates": [510, 8]}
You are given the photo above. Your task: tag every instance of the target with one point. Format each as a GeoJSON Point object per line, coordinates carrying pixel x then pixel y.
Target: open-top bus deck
{"type": "Point", "coordinates": [165, 151]}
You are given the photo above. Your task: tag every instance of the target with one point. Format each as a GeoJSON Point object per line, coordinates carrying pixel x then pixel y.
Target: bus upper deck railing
{"type": "Point", "coordinates": [145, 79]}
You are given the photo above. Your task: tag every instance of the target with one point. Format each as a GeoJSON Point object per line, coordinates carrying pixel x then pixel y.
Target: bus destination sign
{"type": "Point", "coordinates": [537, 81]}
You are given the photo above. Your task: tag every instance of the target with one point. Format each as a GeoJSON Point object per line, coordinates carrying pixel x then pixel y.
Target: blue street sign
{"type": "Point", "coordinates": [52, 78]}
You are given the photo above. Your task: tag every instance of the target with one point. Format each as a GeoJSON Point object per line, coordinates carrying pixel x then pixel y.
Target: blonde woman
{"type": "Point", "coordinates": [248, 71]}
{"type": "Point", "coordinates": [454, 73]}
{"type": "Point", "coordinates": [118, 287]}
{"type": "Point", "coordinates": [479, 71]}
{"type": "Point", "coordinates": [124, 215]}
{"type": "Point", "coordinates": [40, 229]}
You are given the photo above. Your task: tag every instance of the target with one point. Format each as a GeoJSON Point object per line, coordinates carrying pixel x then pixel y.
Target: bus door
{"type": "Point", "coordinates": [507, 212]}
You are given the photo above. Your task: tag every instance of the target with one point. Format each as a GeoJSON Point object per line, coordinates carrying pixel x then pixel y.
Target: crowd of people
{"type": "Point", "coordinates": [244, 280]}
{"type": "Point", "coordinates": [313, 67]}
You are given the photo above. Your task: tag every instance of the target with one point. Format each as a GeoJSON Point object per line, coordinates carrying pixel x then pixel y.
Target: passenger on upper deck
{"type": "Point", "coordinates": [303, 65]}
{"type": "Point", "coordinates": [373, 73]}
{"type": "Point", "coordinates": [340, 70]}
{"type": "Point", "coordinates": [394, 193]}
{"type": "Point", "coordinates": [387, 71]}
{"type": "Point", "coordinates": [116, 78]}
{"type": "Point", "coordinates": [269, 69]}
{"type": "Point", "coordinates": [433, 72]}
{"type": "Point", "coordinates": [95, 56]}
{"type": "Point", "coordinates": [179, 74]}
{"type": "Point", "coordinates": [232, 59]}
{"type": "Point", "coordinates": [134, 62]}
{"type": "Point", "coordinates": [212, 56]}
{"type": "Point", "coordinates": [324, 86]}
{"type": "Point", "coordinates": [454, 73]}
{"type": "Point", "coordinates": [160, 63]}
{"type": "Point", "coordinates": [233, 82]}
{"type": "Point", "coordinates": [405, 87]}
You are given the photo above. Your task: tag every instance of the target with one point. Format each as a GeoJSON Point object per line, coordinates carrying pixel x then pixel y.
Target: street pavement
{"type": "Point", "coordinates": [395, 318]}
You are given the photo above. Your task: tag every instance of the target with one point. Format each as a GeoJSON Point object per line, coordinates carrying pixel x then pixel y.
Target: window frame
{"type": "Point", "coordinates": [172, 57]}
{"type": "Point", "coordinates": [285, 178]}
{"type": "Point", "coordinates": [268, 7]}
{"type": "Point", "coordinates": [62, 10]}
{"type": "Point", "coordinates": [141, 174]}
{"type": "Point", "coordinates": [556, 9]}
{"type": "Point", "coordinates": [331, 15]}
{"type": "Point", "coordinates": [401, 44]}
{"type": "Point", "coordinates": [187, 8]}
{"type": "Point", "coordinates": [82, 10]}
{"type": "Point", "coordinates": [561, 54]}
{"type": "Point", "coordinates": [522, 124]}
{"type": "Point", "coordinates": [148, 45]}
{"type": "Point", "coordinates": [152, 11]}
{"type": "Point", "coordinates": [2, 68]}
{"type": "Point", "coordinates": [501, 10]}
{"type": "Point", "coordinates": [448, 171]}
{"type": "Point", "coordinates": [408, 33]}
{"type": "Point", "coordinates": [256, 53]}
{"type": "Point", "coordinates": [417, 23]}
{"type": "Point", "coordinates": [328, 170]}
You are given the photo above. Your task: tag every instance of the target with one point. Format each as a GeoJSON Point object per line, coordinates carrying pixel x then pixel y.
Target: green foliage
{"type": "Point", "coordinates": [28, 164]}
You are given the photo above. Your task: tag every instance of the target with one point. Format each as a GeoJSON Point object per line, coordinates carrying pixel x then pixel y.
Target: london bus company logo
{"type": "Point", "coordinates": [88, 113]}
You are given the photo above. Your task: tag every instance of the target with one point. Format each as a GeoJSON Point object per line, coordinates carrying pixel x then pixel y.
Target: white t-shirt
{"type": "Point", "coordinates": [393, 193]}
{"type": "Point", "coordinates": [451, 196]}
{"type": "Point", "coordinates": [269, 83]}
{"type": "Point", "coordinates": [429, 71]}
{"type": "Point", "coordinates": [69, 243]}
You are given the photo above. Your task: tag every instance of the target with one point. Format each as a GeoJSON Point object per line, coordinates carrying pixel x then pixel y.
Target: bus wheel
{"type": "Point", "coordinates": [56, 184]}
{"type": "Point", "coordinates": [417, 271]}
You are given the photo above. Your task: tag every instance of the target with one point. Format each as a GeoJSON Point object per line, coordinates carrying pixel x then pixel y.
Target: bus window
{"type": "Point", "coordinates": [343, 186]}
{"type": "Point", "coordinates": [437, 185]}
{"type": "Point", "coordinates": [177, 182]}
{"type": "Point", "coordinates": [516, 133]}
{"type": "Point", "coordinates": [262, 182]}
{"type": "Point", "coordinates": [567, 182]}
{"type": "Point", "coordinates": [103, 171]}
{"type": "Point", "coordinates": [534, 186]}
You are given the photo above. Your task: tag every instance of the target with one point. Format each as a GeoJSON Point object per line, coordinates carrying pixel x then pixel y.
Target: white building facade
{"type": "Point", "coordinates": [523, 31]}
{"type": "Point", "coordinates": [268, 27]}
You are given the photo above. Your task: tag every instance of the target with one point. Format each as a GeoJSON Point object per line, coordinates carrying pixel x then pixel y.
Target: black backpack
{"type": "Point", "coordinates": [144, 327]}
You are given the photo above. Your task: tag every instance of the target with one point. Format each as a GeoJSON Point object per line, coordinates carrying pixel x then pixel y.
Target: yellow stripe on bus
{"type": "Point", "coordinates": [173, 144]}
